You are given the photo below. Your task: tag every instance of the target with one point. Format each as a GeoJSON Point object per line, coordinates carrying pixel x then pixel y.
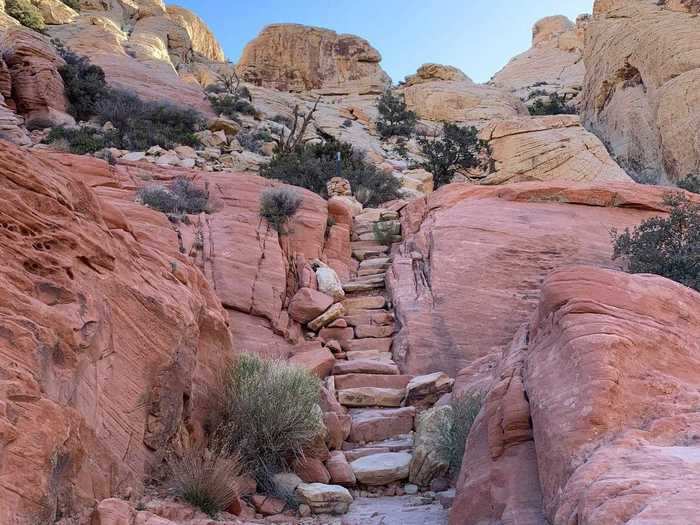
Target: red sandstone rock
{"type": "Point", "coordinates": [311, 470]}
{"type": "Point", "coordinates": [361, 366]}
{"type": "Point", "coordinates": [371, 380]}
{"type": "Point", "coordinates": [337, 429]}
{"type": "Point", "coordinates": [319, 362]}
{"type": "Point", "coordinates": [268, 506]}
{"type": "Point", "coordinates": [308, 304]}
{"type": "Point", "coordinates": [110, 338]}
{"type": "Point", "coordinates": [378, 425]}
{"type": "Point", "coordinates": [340, 471]}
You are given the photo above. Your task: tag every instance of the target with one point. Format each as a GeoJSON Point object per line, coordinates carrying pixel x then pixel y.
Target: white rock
{"type": "Point", "coordinates": [188, 163]}
{"type": "Point", "coordinates": [168, 159]}
{"type": "Point", "coordinates": [329, 283]}
{"type": "Point", "coordinates": [134, 156]}
{"type": "Point", "coordinates": [382, 469]}
{"type": "Point", "coordinates": [325, 499]}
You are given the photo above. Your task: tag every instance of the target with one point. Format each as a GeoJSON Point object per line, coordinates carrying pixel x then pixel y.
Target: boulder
{"type": "Point", "coordinates": [311, 470]}
{"type": "Point", "coordinates": [319, 362]}
{"type": "Point", "coordinates": [428, 461]}
{"type": "Point", "coordinates": [333, 313]}
{"type": "Point", "coordinates": [371, 397]}
{"type": "Point", "coordinates": [361, 366]}
{"type": "Point", "coordinates": [268, 505]}
{"type": "Point", "coordinates": [340, 470]}
{"type": "Point", "coordinates": [424, 391]}
{"type": "Point", "coordinates": [329, 283]}
{"type": "Point", "coordinates": [325, 499]}
{"type": "Point", "coordinates": [291, 57]}
{"type": "Point", "coordinates": [308, 304]}
{"type": "Point", "coordinates": [221, 124]}
{"type": "Point", "coordinates": [432, 72]}
{"type": "Point", "coordinates": [377, 425]}
{"type": "Point", "coordinates": [337, 429]}
{"type": "Point", "coordinates": [382, 469]}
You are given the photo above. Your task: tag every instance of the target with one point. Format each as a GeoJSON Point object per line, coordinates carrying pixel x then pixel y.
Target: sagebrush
{"type": "Point", "coordinates": [691, 183]}
{"type": "Point", "coordinates": [267, 412]}
{"type": "Point", "coordinates": [204, 478]}
{"type": "Point", "coordinates": [667, 246]}
{"type": "Point", "coordinates": [453, 429]}
{"type": "Point", "coordinates": [278, 206]}
{"type": "Point", "coordinates": [183, 197]}
{"type": "Point", "coordinates": [555, 105]}
{"type": "Point", "coordinates": [311, 166]}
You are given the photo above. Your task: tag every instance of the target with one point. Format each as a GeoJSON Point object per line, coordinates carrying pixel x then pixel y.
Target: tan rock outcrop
{"type": "Point", "coordinates": [432, 72]}
{"type": "Point", "coordinates": [55, 12]}
{"type": "Point", "coordinates": [554, 64]}
{"type": "Point", "coordinates": [641, 91]}
{"type": "Point", "coordinates": [292, 57]}
{"type": "Point", "coordinates": [555, 148]}
{"type": "Point", "coordinates": [461, 101]}
{"type": "Point", "coordinates": [109, 338]}
{"type": "Point", "coordinates": [203, 40]}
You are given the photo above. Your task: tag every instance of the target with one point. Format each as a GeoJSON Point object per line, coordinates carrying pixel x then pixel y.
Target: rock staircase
{"type": "Point", "coordinates": [368, 383]}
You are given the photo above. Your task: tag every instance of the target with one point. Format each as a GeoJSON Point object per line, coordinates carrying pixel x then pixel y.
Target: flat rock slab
{"type": "Point", "coordinates": [365, 345]}
{"type": "Point", "coordinates": [318, 362]}
{"type": "Point", "coordinates": [365, 367]}
{"type": "Point", "coordinates": [373, 355]}
{"type": "Point", "coordinates": [375, 263]}
{"type": "Point", "coordinates": [325, 499]}
{"type": "Point", "coordinates": [366, 285]}
{"type": "Point", "coordinates": [371, 397]}
{"type": "Point", "coordinates": [370, 318]}
{"type": "Point", "coordinates": [374, 331]}
{"type": "Point", "coordinates": [370, 425]}
{"type": "Point", "coordinates": [382, 469]}
{"type": "Point", "coordinates": [374, 380]}
{"type": "Point", "coordinates": [355, 304]}
{"type": "Point", "coordinates": [404, 510]}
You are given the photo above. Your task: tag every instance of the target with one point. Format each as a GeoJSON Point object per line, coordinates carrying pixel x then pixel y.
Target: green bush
{"type": "Point", "coordinates": [183, 197]}
{"type": "Point", "coordinates": [556, 105]}
{"type": "Point", "coordinates": [205, 479]}
{"type": "Point", "coordinates": [394, 117]}
{"type": "Point", "coordinates": [83, 140]}
{"type": "Point", "coordinates": [691, 183]}
{"type": "Point", "coordinates": [457, 148]}
{"type": "Point", "coordinates": [25, 13]}
{"type": "Point", "coordinates": [278, 205]}
{"type": "Point", "coordinates": [666, 246]}
{"type": "Point", "coordinates": [453, 430]}
{"type": "Point", "coordinates": [85, 83]}
{"type": "Point", "coordinates": [311, 166]}
{"type": "Point", "coordinates": [230, 105]}
{"type": "Point", "coordinates": [268, 413]}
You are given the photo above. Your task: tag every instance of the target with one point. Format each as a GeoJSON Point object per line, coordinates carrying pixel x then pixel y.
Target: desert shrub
{"type": "Point", "coordinates": [267, 412]}
{"type": "Point", "coordinates": [453, 429]}
{"type": "Point", "coordinates": [666, 246]}
{"type": "Point", "coordinates": [691, 183]}
{"type": "Point", "coordinates": [311, 166]}
{"type": "Point", "coordinates": [383, 234]}
{"type": "Point", "coordinates": [73, 4]}
{"type": "Point", "coordinates": [143, 124]}
{"type": "Point", "coordinates": [82, 140]}
{"type": "Point", "coordinates": [347, 123]}
{"type": "Point", "coordinates": [183, 197]}
{"type": "Point", "coordinates": [85, 83]}
{"type": "Point", "coordinates": [39, 123]}
{"type": "Point", "coordinates": [230, 105]}
{"type": "Point", "coordinates": [556, 105]}
{"type": "Point", "coordinates": [25, 13]}
{"type": "Point", "coordinates": [205, 479]}
{"type": "Point", "coordinates": [457, 148]}
{"type": "Point", "coordinates": [394, 117]}
{"type": "Point", "coordinates": [278, 205]}
{"type": "Point", "coordinates": [253, 140]}
{"type": "Point", "coordinates": [284, 120]}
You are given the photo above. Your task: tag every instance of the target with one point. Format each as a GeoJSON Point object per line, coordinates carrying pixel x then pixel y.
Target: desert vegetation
{"type": "Point", "coordinates": [278, 206]}
{"type": "Point", "coordinates": [182, 197]}
{"type": "Point", "coordinates": [311, 166]}
{"type": "Point", "coordinates": [454, 427]}
{"type": "Point", "coordinates": [395, 119]}
{"type": "Point", "coordinates": [456, 148]}
{"type": "Point", "coordinates": [266, 412]}
{"type": "Point", "coordinates": [555, 105]}
{"type": "Point", "coordinates": [666, 246]}
{"type": "Point", "coordinates": [227, 97]}
{"type": "Point", "coordinates": [691, 183]}
{"type": "Point", "coordinates": [26, 13]}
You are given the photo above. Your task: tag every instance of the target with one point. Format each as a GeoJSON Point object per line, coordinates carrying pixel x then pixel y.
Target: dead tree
{"type": "Point", "coordinates": [288, 143]}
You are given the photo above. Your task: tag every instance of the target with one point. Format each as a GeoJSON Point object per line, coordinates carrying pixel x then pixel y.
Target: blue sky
{"type": "Point", "coordinates": [478, 36]}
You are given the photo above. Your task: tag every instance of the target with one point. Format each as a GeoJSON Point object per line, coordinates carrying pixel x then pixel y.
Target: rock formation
{"type": "Point", "coordinates": [291, 57]}
{"type": "Point", "coordinates": [445, 94]}
{"type": "Point", "coordinates": [554, 64]}
{"type": "Point", "coordinates": [109, 339]}
{"type": "Point", "coordinates": [555, 148]}
{"type": "Point", "coordinates": [640, 96]}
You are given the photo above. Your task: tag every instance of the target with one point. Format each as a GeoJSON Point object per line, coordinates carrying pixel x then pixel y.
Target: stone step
{"type": "Point", "coordinates": [362, 250]}
{"type": "Point", "coordinates": [375, 332]}
{"type": "Point", "coordinates": [369, 272]}
{"type": "Point", "coordinates": [376, 215]}
{"type": "Point", "coordinates": [370, 317]}
{"type": "Point", "coordinates": [371, 397]}
{"type": "Point", "coordinates": [372, 425]}
{"type": "Point", "coordinates": [370, 355]}
{"type": "Point", "coordinates": [365, 367]}
{"type": "Point", "coordinates": [374, 263]}
{"type": "Point", "coordinates": [381, 345]}
{"type": "Point", "coordinates": [373, 380]}
{"type": "Point", "coordinates": [382, 469]}
{"type": "Point", "coordinates": [354, 451]}
{"type": "Point", "coordinates": [355, 305]}
{"type": "Point", "coordinates": [366, 285]}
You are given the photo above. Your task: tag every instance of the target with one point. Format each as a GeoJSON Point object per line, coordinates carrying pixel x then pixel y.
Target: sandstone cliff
{"type": "Point", "coordinates": [292, 57]}
{"type": "Point", "coordinates": [640, 95]}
